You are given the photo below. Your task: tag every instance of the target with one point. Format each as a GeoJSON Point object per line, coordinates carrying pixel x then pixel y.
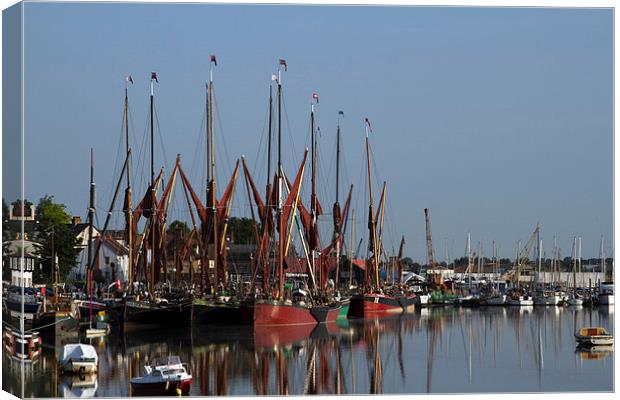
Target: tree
{"type": "Point", "coordinates": [53, 227]}
{"type": "Point", "coordinates": [177, 234]}
{"type": "Point", "coordinates": [6, 226]}
{"type": "Point", "coordinates": [242, 230]}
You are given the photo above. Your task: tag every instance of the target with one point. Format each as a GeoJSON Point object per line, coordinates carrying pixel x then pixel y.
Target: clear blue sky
{"type": "Point", "coordinates": [492, 118]}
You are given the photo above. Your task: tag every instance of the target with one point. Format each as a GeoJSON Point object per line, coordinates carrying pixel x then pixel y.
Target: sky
{"type": "Point", "coordinates": [493, 118]}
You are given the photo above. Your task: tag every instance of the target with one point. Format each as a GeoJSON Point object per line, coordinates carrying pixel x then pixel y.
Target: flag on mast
{"type": "Point", "coordinates": [368, 122]}
{"type": "Point", "coordinates": [283, 62]}
{"type": "Point", "coordinates": [213, 59]}
{"type": "Point", "coordinates": [154, 77]}
{"type": "Point", "coordinates": [128, 79]}
{"type": "Point", "coordinates": [341, 113]}
{"type": "Point", "coordinates": [315, 96]}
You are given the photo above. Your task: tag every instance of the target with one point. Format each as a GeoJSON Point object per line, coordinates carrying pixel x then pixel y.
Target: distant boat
{"type": "Point", "coordinates": [594, 336]}
{"type": "Point", "coordinates": [422, 300]}
{"type": "Point", "coordinates": [79, 358]}
{"type": "Point", "coordinates": [544, 298]}
{"type": "Point", "coordinates": [494, 300]}
{"type": "Point", "coordinates": [520, 300]}
{"type": "Point", "coordinates": [163, 376]}
{"type": "Point", "coordinates": [575, 300]}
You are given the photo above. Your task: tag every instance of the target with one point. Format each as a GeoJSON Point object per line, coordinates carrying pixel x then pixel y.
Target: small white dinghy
{"type": "Point", "coordinates": [165, 376]}
{"type": "Point", "coordinates": [594, 336]}
{"type": "Point", "coordinates": [79, 359]}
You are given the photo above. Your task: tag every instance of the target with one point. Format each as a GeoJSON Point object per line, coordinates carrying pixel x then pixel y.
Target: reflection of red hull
{"type": "Point", "coordinates": [374, 305]}
{"type": "Point", "coordinates": [271, 336]}
{"type": "Point", "coordinates": [270, 313]}
{"type": "Point", "coordinates": [161, 388]}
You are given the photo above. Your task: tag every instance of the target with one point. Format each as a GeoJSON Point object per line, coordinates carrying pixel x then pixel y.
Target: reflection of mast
{"type": "Point", "coordinates": [376, 379]}
{"type": "Point", "coordinates": [400, 339]}
{"type": "Point", "coordinates": [310, 380]}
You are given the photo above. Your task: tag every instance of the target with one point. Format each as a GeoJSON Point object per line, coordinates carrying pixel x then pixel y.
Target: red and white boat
{"type": "Point", "coordinates": [165, 376]}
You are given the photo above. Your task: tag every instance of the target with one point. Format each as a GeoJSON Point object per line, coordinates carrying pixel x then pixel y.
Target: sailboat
{"type": "Point", "coordinates": [214, 302]}
{"type": "Point", "coordinates": [290, 306]}
{"type": "Point", "coordinates": [494, 297]}
{"type": "Point", "coordinates": [99, 330]}
{"type": "Point", "coordinates": [542, 296]}
{"type": "Point", "coordinates": [606, 290]}
{"type": "Point", "coordinates": [574, 299]}
{"type": "Point", "coordinates": [373, 301]}
{"type": "Point", "coordinates": [146, 303]}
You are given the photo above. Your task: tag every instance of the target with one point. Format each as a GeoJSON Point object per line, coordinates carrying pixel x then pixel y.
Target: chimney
{"type": "Point", "coordinates": [77, 220]}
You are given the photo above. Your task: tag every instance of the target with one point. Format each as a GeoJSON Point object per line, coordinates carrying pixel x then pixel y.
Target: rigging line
{"type": "Point", "coordinates": [289, 130]}
{"type": "Point", "coordinates": [198, 152]}
{"type": "Point", "coordinates": [132, 136]}
{"type": "Point", "coordinates": [222, 137]}
{"type": "Point", "coordinates": [161, 139]}
{"type": "Point", "coordinates": [260, 143]}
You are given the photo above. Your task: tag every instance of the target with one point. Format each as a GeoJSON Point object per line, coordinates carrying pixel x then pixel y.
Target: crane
{"type": "Point", "coordinates": [430, 253]}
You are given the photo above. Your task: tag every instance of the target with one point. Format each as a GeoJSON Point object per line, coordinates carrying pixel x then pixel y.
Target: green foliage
{"type": "Point", "coordinates": [241, 230]}
{"type": "Point", "coordinates": [53, 227]}
{"type": "Point", "coordinates": [179, 227]}
{"type": "Point", "coordinates": [7, 233]}
{"type": "Point", "coordinates": [176, 235]}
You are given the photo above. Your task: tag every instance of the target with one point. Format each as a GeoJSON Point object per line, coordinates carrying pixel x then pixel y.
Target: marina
{"type": "Point", "coordinates": [434, 350]}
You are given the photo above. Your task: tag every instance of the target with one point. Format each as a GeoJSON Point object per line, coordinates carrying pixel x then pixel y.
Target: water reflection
{"type": "Point", "coordinates": [437, 350]}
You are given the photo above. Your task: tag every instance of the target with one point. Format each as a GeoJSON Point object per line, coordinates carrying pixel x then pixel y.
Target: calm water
{"type": "Point", "coordinates": [438, 350]}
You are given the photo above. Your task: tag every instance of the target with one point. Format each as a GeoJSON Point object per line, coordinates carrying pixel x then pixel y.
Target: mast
{"type": "Point", "coordinates": [269, 146]}
{"type": "Point", "coordinates": [371, 221]}
{"type": "Point", "coordinates": [91, 211]}
{"type": "Point", "coordinates": [603, 263]}
{"type": "Point", "coordinates": [351, 249]}
{"type": "Point", "coordinates": [574, 264]}
{"type": "Point", "coordinates": [204, 260]}
{"type": "Point", "coordinates": [152, 189]}
{"type": "Point", "coordinates": [313, 207]}
{"type": "Point", "coordinates": [128, 200]}
{"type": "Point", "coordinates": [336, 211]}
{"type": "Point", "coordinates": [493, 265]}
{"type": "Point", "coordinates": [518, 263]}
{"type": "Point", "coordinates": [279, 209]}
{"type": "Point", "coordinates": [539, 259]}
{"type": "Point", "coordinates": [579, 256]}
{"type": "Point", "coordinates": [212, 189]}
{"type": "Point", "coordinates": [469, 260]}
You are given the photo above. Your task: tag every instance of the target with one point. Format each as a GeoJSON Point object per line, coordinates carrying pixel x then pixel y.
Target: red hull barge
{"type": "Point", "coordinates": [270, 313]}
{"type": "Point", "coordinates": [374, 305]}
